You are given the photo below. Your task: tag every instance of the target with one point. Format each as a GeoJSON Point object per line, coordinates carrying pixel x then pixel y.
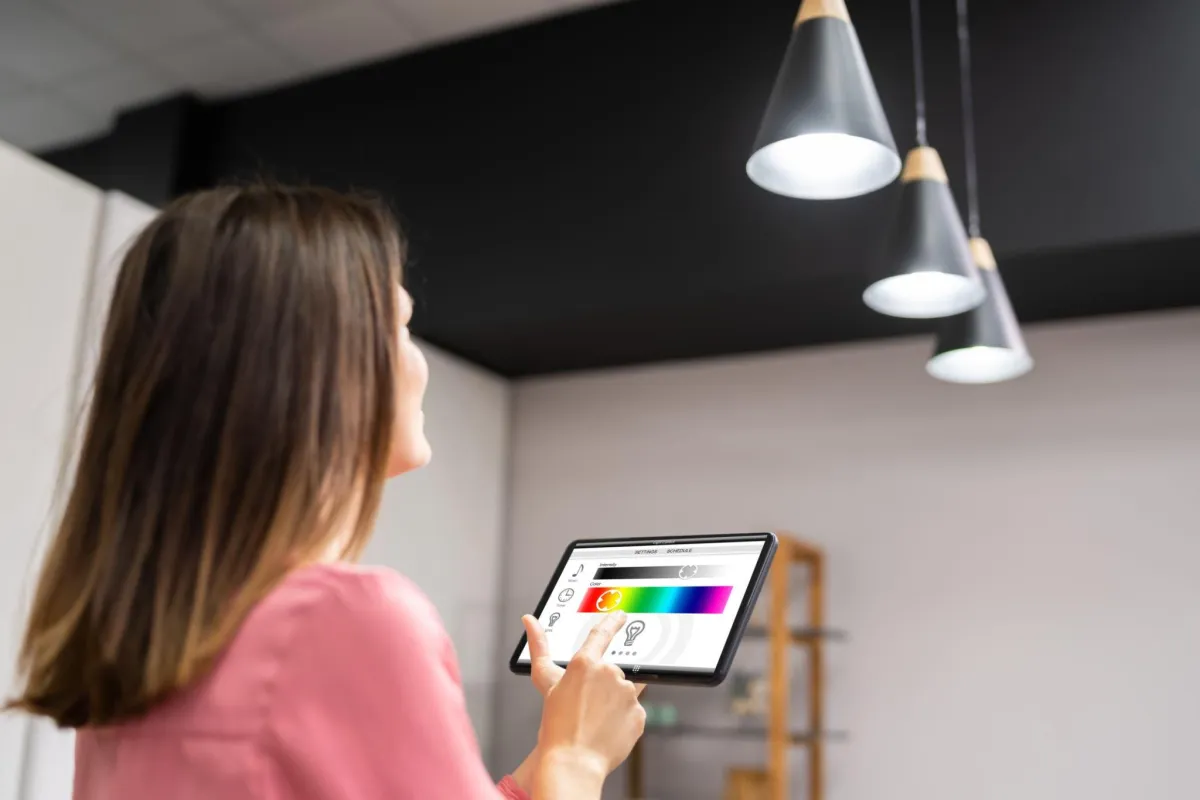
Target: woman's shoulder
{"type": "Point", "coordinates": [344, 581]}
{"type": "Point", "coordinates": [358, 597]}
{"type": "Point", "coordinates": [300, 634]}
{"type": "Point", "coordinates": [350, 627]}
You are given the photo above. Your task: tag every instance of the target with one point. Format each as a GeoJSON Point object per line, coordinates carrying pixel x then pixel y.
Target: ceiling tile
{"type": "Point", "coordinates": [40, 120]}
{"type": "Point", "coordinates": [42, 46]}
{"type": "Point", "coordinates": [580, 5]}
{"type": "Point", "coordinates": [340, 35]}
{"type": "Point", "coordinates": [144, 25]}
{"type": "Point", "coordinates": [12, 84]}
{"type": "Point", "coordinates": [223, 64]}
{"type": "Point", "coordinates": [441, 19]}
{"type": "Point", "coordinates": [259, 10]}
{"type": "Point", "coordinates": [113, 90]}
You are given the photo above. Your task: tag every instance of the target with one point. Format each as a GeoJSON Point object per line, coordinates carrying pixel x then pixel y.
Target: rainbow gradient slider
{"type": "Point", "coordinates": [656, 599]}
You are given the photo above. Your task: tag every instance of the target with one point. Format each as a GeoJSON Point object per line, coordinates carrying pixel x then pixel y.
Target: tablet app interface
{"type": "Point", "coordinates": [680, 600]}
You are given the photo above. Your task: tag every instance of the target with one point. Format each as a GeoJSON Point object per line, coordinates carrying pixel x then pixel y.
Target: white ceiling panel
{"type": "Point", "coordinates": [340, 35]}
{"type": "Point", "coordinates": [43, 120]}
{"type": "Point", "coordinates": [224, 63]}
{"type": "Point", "coordinates": [123, 86]}
{"type": "Point", "coordinates": [41, 46]}
{"type": "Point", "coordinates": [68, 66]}
{"type": "Point", "coordinates": [11, 84]}
{"type": "Point", "coordinates": [255, 11]}
{"type": "Point", "coordinates": [445, 19]}
{"type": "Point", "coordinates": [141, 25]}
{"type": "Point", "coordinates": [579, 5]}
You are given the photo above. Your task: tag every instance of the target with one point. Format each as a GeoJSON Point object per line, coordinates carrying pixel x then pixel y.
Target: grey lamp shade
{"type": "Point", "coordinates": [926, 270]}
{"type": "Point", "coordinates": [985, 344]}
{"type": "Point", "coordinates": [824, 134]}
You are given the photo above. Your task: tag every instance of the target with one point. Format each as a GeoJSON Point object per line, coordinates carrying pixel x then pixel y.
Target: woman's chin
{"type": "Point", "coordinates": [415, 456]}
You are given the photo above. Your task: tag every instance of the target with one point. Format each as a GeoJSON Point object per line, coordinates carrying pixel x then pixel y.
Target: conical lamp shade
{"type": "Point", "coordinates": [928, 270]}
{"type": "Point", "coordinates": [824, 134]}
{"type": "Point", "coordinates": [985, 344]}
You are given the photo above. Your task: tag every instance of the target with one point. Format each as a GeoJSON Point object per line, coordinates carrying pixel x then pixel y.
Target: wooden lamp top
{"type": "Point", "coordinates": [923, 163]}
{"type": "Point", "coordinates": [981, 252]}
{"type": "Point", "coordinates": [811, 9]}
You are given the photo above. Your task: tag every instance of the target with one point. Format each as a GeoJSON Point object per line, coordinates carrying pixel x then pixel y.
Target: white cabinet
{"type": "Point", "coordinates": [48, 227]}
{"type": "Point", "coordinates": [48, 768]}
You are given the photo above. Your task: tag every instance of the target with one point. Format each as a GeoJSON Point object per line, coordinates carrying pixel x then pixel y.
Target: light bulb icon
{"type": "Point", "coordinates": [633, 630]}
{"type": "Point", "coordinates": [553, 619]}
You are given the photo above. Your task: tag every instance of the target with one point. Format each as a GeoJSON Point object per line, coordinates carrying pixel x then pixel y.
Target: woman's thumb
{"type": "Point", "coordinates": [536, 636]}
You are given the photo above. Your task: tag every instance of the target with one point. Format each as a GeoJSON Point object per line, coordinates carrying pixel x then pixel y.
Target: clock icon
{"type": "Point", "coordinates": [565, 595]}
{"type": "Point", "coordinates": [609, 600]}
{"type": "Point", "coordinates": [687, 571]}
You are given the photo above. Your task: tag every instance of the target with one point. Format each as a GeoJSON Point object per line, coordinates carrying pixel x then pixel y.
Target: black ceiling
{"type": "Point", "coordinates": [576, 196]}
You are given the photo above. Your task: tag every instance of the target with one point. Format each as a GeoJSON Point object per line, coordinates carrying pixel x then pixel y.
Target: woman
{"type": "Point", "coordinates": [196, 618]}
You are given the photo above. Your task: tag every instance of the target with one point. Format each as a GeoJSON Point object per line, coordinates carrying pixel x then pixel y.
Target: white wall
{"type": "Point", "coordinates": [48, 226]}
{"type": "Point", "coordinates": [443, 525]}
{"type": "Point", "coordinates": [1016, 564]}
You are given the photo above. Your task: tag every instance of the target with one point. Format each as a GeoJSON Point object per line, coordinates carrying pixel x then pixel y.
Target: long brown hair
{"type": "Point", "coordinates": [240, 423]}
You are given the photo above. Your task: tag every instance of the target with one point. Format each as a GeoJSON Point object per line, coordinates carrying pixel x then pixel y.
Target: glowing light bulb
{"type": "Point", "coordinates": [632, 630]}
{"type": "Point", "coordinates": [924, 295]}
{"type": "Point", "coordinates": [980, 364]}
{"type": "Point", "coordinates": [823, 166]}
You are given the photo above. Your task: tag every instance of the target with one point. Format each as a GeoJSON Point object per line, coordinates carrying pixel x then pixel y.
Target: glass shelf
{"type": "Point", "coordinates": [801, 635]}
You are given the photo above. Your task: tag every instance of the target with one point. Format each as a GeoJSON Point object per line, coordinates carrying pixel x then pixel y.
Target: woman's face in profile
{"type": "Point", "coordinates": [410, 448]}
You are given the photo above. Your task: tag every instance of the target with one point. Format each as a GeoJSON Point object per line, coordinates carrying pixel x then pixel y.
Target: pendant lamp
{"type": "Point", "coordinates": [824, 134]}
{"type": "Point", "coordinates": [985, 344]}
{"type": "Point", "coordinates": [927, 270]}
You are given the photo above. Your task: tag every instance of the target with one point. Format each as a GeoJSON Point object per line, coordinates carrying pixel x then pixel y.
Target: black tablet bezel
{"type": "Point", "coordinates": [657, 675]}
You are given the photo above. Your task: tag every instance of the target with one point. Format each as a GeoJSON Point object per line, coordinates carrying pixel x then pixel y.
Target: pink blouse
{"type": "Point", "coordinates": [341, 685]}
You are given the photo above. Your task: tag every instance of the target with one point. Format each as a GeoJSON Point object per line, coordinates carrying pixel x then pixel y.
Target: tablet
{"type": "Point", "coordinates": [687, 602]}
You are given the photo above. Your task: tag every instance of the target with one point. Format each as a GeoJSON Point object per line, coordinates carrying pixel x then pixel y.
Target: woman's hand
{"type": "Point", "coordinates": [592, 717]}
{"type": "Point", "coordinates": [544, 673]}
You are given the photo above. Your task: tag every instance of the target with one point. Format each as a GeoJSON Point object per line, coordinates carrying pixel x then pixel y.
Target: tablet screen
{"type": "Point", "coordinates": [681, 598]}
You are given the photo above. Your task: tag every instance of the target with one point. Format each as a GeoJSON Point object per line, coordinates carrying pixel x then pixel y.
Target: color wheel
{"type": "Point", "coordinates": [609, 600]}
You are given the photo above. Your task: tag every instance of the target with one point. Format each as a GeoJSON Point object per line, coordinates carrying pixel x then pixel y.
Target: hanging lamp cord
{"type": "Point", "coordinates": [968, 112]}
{"type": "Point", "coordinates": [918, 72]}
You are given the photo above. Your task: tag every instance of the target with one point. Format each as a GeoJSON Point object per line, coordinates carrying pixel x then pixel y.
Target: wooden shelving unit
{"type": "Point", "coordinates": [794, 552]}
{"type": "Point", "coordinates": [782, 634]}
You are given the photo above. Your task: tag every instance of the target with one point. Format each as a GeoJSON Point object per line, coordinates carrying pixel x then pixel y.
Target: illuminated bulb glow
{"type": "Point", "coordinates": [924, 295]}
{"type": "Point", "coordinates": [823, 166]}
{"type": "Point", "coordinates": [979, 364]}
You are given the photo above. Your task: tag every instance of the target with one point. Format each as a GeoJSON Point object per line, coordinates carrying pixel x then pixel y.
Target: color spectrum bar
{"type": "Point", "coordinates": [656, 599]}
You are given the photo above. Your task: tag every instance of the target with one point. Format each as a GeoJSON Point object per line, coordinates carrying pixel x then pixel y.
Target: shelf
{"type": "Point", "coordinates": [732, 732]}
{"type": "Point", "coordinates": [802, 635]}
{"type": "Point", "coordinates": [780, 630]}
